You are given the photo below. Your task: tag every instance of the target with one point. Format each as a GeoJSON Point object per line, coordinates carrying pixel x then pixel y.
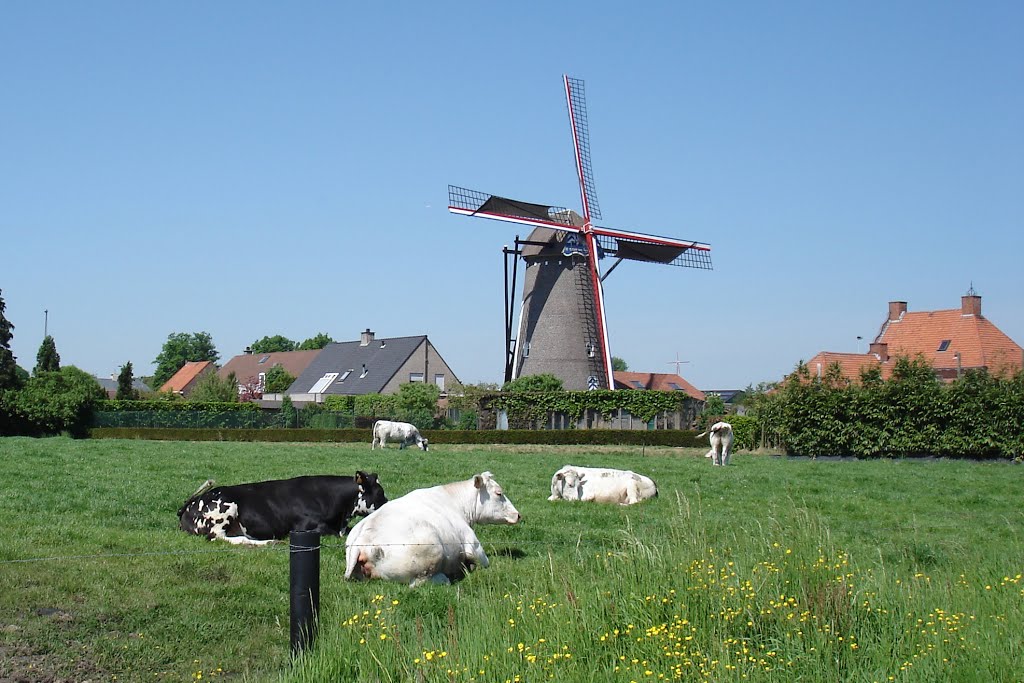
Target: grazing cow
{"type": "Point", "coordinates": [426, 534]}
{"type": "Point", "coordinates": [601, 485]}
{"type": "Point", "coordinates": [259, 513]}
{"type": "Point", "coordinates": [721, 443]}
{"type": "Point", "coordinates": [402, 432]}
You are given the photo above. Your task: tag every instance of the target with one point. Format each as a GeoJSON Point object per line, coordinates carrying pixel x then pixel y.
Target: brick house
{"type": "Point", "coordinates": [952, 340]}
{"type": "Point", "coordinates": [184, 381]}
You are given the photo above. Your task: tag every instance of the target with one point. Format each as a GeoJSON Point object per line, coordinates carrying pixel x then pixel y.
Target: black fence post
{"type": "Point", "coordinates": [304, 582]}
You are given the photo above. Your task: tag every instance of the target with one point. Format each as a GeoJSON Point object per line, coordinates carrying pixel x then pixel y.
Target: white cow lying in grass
{"type": "Point", "coordinates": [601, 485]}
{"type": "Point", "coordinates": [402, 432]}
{"type": "Point", "coordinates": [425, 535]}
{"type": "Point", "coordinates": [721, 443]}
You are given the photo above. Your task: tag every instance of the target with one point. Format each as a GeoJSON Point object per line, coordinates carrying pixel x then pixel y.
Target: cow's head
{"type": "Point", "coordinates": [565, 484]}
{"type": "Point", "coordinates": [493, 507]}
{"type": "Point", "coordinates": [422, 443]}
{"type": "Point", "coordinates": [370, 496]}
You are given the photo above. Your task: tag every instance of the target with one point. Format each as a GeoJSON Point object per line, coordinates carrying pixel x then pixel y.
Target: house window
{"type": "Point", "coordinates": [263, 360]}
{"type": "Point", "coordinates": [262, 382]}
{"type": "Point", "coordinates": [636, 384]}
{"type": "Point", "coordinates": [675, 387]}
{"type": "Point", "coordinates": [345, 375]}
{"type": "Point", "coordinates": [526, 350]}
{"type": "Point", "coordinates": [323, 383]}
{"type": "Point", "coordinates": [944, 344]}
{"type": "Point", "coordinates": [439, 381]}
{"type": "Point", "coordinates": [415, 376]}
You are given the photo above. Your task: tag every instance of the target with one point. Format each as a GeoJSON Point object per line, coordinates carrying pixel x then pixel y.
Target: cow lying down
{"type": "Point", "coordinates": [259, 513]}
{"type": "Point", "coordinates": [601, 485]}
{"type": "Point", "coordinates": [721, 443]}
{"type": "Point", "coordinates": [426, 534]}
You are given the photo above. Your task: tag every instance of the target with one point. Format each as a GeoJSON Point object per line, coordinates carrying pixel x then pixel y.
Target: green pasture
{"type": "Point", "coordinates": [770, 569]}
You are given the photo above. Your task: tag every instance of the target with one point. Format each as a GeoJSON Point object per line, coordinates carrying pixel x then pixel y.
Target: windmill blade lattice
{"type": "Point", "coordinates": [577, 100]}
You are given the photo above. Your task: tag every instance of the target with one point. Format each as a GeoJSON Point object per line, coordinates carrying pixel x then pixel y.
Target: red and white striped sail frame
{"type": "Point", "coordinates": [595, 229]}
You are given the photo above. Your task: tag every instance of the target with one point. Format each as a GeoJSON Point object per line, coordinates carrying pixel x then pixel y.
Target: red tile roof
{"type": "Point", "coordinates": [979, 343]}
{"type": "Point", "coordinates": [851, 363]}
{"type": "Point", "coordinates": [184, 377]}
{"type": "Point", "coordinates": [655, 381]}
{"type": "Point", "coordinates": [248, 366]}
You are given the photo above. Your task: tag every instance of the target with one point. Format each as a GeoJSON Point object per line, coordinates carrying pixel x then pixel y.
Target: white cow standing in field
{"type": "Point", "coordinates": [601, 485]}
{"type": "Point", "coordinates": [721, 443]}
{"type": "Point", "coordinates": [426, 534]}
{"type": "Point", "coordinates": [402, 432]}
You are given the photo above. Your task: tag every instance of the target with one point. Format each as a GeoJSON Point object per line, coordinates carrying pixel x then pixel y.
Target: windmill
{"type": "Point", "coordinates": [562, 326]}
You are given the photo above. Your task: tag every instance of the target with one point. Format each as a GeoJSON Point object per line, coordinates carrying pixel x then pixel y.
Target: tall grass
{"type": "Point", "coordinates": [768, 570]}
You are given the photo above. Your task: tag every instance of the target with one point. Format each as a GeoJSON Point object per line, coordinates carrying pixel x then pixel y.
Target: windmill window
{"type": "Point", "coordinates": [591, 349]}
{"type": "Point", "coordinates": [345, 375]}
{"type": "Point", "coordinates": [363, 373]}
{"type": "Point", "coordinates": [944, 344]}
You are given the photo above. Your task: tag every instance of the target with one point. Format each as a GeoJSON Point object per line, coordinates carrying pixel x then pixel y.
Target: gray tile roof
{"type": "Point", "coordinates": [381, 357]}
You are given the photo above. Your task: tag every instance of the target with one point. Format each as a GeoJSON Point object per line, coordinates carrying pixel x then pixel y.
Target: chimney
{"type": "Point", "coordinates": [366, 337]}
{"type": "Point", "coordinates": [896, 310]}
{"type": "Point", "coordinates": [248, 350]}
{"type": "Point", "coordinates": [970, 304]}
{"type": "Point", "coordinates": [880, 349]}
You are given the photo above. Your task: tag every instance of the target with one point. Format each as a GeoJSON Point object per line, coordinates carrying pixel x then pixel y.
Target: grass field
{"type": "Point", "coordinates": [769, 570]}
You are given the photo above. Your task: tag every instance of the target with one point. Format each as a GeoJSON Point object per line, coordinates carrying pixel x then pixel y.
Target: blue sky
{"type": "Point", "coordinates": [254, 168]}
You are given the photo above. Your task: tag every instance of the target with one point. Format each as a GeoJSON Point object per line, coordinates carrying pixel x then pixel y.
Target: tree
{"type": "Point", "coordinates": [289, 415]}
{"type": "Point", "coordinates": [619, 365]}
{"type": "Point", "coordinates": [125, 389]}
{"type": "Point", "coordinates": [417, 403]}
{"type": "Point", "coordinates": [714, 405]}
{"type": "Point", "coordinates": [274, 344]}
{"type": "Point", "coordinates": [278, 380]}
{"type": "Point", "coordinates": [318, 342]}
{"type": "Point", "coordinates": [180, 348]}
{"type": "Point", "coordinates": [211, 387]}
{"type": "Point", "coordinates": [58, 401]}
{"type": "Point", "coordinates": [8, 368]}
{"type": "Point", "coordinates": [542, 382]}
{"type": "Point", "coordinates": [47, 360]}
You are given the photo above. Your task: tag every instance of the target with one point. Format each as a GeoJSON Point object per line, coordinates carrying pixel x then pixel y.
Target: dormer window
{"type": "Point", "coordinates": [944, 344]}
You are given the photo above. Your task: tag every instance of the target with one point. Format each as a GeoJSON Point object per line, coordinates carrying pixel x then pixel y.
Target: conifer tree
{"type": "Point", "coordinates": [8, 368]}
{"type": "Point", "coordinates": [47, 360]}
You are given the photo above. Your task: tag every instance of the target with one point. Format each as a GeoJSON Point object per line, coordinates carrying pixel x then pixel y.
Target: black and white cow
{"type": "Point", "coordinates": [259, 513]}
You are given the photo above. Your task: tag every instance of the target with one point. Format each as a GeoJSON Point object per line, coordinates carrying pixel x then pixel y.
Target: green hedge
{"type": "Point", "coordinates": [662, 437]}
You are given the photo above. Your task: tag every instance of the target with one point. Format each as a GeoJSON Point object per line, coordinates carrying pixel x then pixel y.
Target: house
{"type": "Point", "coordinates": [371, 366]}
{"type": "Point", "coordinates": [656, 381]}
{"type": "Point", "coordinates": [731, 398]}
{"type": "Point", "coordinates": [952, 340]}
{"type": "Point", "coordinates": [251, 368]}
{"type": "Point", "coordinates": [110, 385]}
{"type": "Point", "coordinates": [184, 381]}
{"type": "Point", "coordinates": [683, 418]}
